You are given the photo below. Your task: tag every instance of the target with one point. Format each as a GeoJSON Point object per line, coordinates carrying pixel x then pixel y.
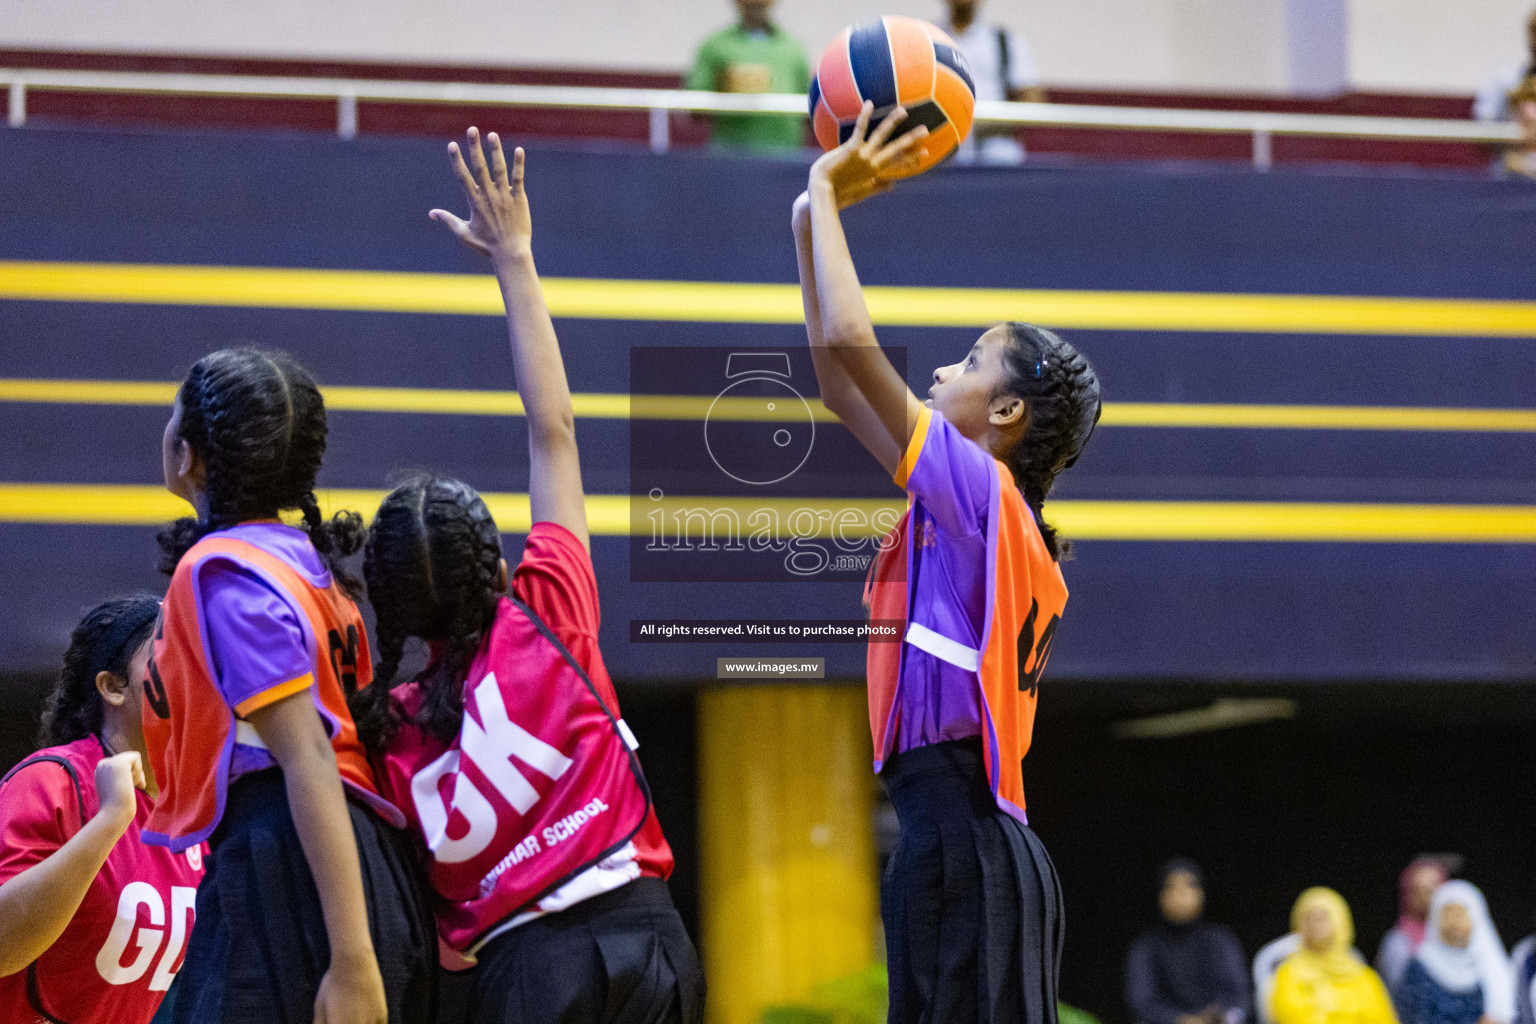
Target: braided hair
{"type": "Point", "coordinates": [104, 641]}
{"type": "Point", "coordinates": [256, 420]}
{"type": "Point", "coordinates": [433, 568]}
{"type": "Point", "coordinates": [1061, 392]}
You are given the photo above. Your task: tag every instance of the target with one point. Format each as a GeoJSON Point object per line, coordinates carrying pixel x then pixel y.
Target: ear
{"type": "Point", "coordinates": [113, 689]}
{"type": "Point", "coordinates": [189, 466]}
{"type": "Point", "coordinates": [1007, 412]}
{"type": "Point", "coordinates": [501, 577]}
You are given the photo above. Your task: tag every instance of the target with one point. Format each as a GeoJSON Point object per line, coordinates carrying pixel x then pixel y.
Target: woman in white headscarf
{"type": "Point", "coordinates": [1461, 974]}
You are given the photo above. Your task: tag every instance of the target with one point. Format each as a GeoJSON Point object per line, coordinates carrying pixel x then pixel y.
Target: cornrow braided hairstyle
{"type": "Point", "coordinates": [1063, 397]}
{"type": "Point", "coordinates": [256, 420]}
{"type": "Point", "coordinates": [432, 565]}
{"type": "Point", "coordinates": [105, 641]}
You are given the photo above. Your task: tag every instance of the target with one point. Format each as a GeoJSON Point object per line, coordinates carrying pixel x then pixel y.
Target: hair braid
{"type": "Point", "coordinates": [433, 565]}
{"type": "Point", "coordinates": [257, 421]}
{"type": "Point", "coordinates": [1063, 396]}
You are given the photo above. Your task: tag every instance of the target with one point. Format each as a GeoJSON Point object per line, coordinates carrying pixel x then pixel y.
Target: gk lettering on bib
{"type": "Point", "coordinates": [540, 784]}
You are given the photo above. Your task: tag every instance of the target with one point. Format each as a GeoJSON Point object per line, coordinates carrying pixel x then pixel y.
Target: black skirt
{"type": "Point", "coordinates": [259, 947]}
{"type": "Point", "coordinates": [619, 958]}
{"type": "Point", "coordinates": [971, 904]}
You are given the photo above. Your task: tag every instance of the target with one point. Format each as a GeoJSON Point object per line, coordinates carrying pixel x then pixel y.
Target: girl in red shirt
{"type": "Point", "coordinates": [507, 753]}
{"type": "Point", "coordinates": [93, 922]}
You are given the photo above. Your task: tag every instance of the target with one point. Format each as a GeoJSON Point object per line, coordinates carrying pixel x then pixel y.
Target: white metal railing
{"type": "Point", "coordinates": [661, 103]}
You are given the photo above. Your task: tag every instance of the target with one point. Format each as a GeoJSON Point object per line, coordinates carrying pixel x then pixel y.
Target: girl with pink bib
{"type": "Point", "coordinates": [507, 752]}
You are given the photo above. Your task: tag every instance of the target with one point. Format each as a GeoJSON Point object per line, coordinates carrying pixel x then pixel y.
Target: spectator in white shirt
{"type": "Point", "coordinates": [1002, 68]}
{"type": "Point", "coordinates": [1492, 102]}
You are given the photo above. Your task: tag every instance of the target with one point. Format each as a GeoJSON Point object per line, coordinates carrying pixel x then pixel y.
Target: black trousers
{"type": "Point", "coordinates": [619, 958]}
{"type": "Point", "coordinates": [259, 947]}
{"type": "Point", "coordinates": [972, 907]}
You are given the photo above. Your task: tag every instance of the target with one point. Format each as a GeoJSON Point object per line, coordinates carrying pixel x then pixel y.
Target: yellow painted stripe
{"type": "Point", "coordinates": [1318, 417]}
{"type": "Point", "coordinates": [609, 515]}
{"type": "Point", "coordinates": [446, 401]}
{"type": "Point", "coordinates": [723, 302]}
{"type": "Point", "coordinates": [87, 392]}
{"type": "Point", "coordinates": [590, 405]}
{"type": "Point", "coordinates": [1293, 521]}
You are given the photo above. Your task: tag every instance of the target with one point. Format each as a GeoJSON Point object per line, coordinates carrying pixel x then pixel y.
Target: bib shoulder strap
{"type": "Point", "coordinates": [74, 776]}
{"type": "Point", "coordinates": [626, 739]}
{"type": "Point", "coordinates": [241, 550]}
{"type": "Point", "coordinates": [565, 653]}
{"type": "Point", "coordinates": [626, 736]}
{"type": "Point", "coordinates": [35, 996]}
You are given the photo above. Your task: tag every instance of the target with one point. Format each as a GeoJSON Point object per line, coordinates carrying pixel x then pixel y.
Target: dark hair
{"type": "Point", "coordinates": [257, 421]}
{"type": "Point", "coordinates": [1181, 866]}
{"type": "Point", "coordinates": [104, 641]}
{"type": "Point", "coordinates": [432, 564]}
{"type": "Point", "coordinates": [1061, 392]}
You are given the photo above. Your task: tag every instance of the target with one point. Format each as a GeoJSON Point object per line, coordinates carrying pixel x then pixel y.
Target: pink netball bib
{"type": "Point", "coordinates": [540, 784]}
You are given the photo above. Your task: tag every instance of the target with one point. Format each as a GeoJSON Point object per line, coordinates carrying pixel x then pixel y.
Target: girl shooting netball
{"type": "Point", "coordinates": [972, 909]}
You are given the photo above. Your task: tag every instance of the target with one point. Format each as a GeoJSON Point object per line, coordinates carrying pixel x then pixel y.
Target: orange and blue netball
{"type": "Point", "coordinates": [895, 60]}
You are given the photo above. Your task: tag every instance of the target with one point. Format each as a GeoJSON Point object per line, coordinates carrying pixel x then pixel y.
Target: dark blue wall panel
{"type": "Point", "coordinates": [1308, 611]}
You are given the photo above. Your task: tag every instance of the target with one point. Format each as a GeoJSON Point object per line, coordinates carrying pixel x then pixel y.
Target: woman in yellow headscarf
{"type": "Point", "coordinates": [1325, 982]}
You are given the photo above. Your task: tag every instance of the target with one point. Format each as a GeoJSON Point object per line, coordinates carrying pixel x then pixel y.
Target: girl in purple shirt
{"type": "Point", "coordinates": [972, 908]}
{"type": "Point", "coordinates": [310, 909]}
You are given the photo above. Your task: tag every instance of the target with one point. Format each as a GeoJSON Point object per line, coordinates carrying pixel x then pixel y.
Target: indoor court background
{"type": "Point", "coordinates": [1314, 484]}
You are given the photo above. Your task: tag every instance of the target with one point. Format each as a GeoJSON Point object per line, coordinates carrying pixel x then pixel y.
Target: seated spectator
{"type": "Point", "coordinates": [1185, 970]}
{"type": "Point", "coordinates": [1415, 887]}
{"type": "Point", "coordinates": [1461, 974]}
{"type": "Point", "coordinates": [1493, 100]}
{"type": "Point", "coordinates": [1002, 68]}
{"type": "Point", "coordinates": [1266, 962]}
{"type": "Point", "coordinates": [1521, 158]}
{"type": "Point", "coordinates": [1323, 982]}
{"type": "Point", "coordinates": [754, 55]}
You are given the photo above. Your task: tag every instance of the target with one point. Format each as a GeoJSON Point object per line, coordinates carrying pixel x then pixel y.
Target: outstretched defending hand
{"type": "Point", "coordinates": [864, 164]}
{"type": "Point", "coordinates": [500, 224]}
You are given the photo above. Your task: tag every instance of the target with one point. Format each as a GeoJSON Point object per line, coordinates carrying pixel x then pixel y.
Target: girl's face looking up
{"type": "Point", "coordinates": [968, 393]}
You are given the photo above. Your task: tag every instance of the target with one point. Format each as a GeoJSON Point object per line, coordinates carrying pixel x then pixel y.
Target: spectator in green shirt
{"type": "Point", "coordinates": [754, 55]}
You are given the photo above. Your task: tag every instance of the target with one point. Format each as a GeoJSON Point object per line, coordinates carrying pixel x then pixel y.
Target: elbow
{"type": "Point", "coordinates": [837, 393]}
{"type": "Point", "coordinates": [554, 433]}
{"type": "Point", "coordinates": [837, 402]}
{"type": "Point", "coordinates": [850, 333]}
{"type": "Point", "coordinates": [14, 944]}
